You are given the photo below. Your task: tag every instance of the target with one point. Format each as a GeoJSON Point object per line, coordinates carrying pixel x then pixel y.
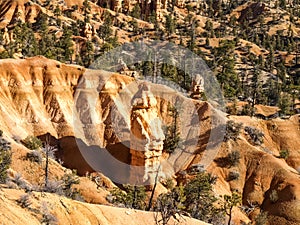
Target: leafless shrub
{"type": "Point", "coordinates": [232, 159]}
{"type": "Point", "coordinates": [54, 186]}
{"type": "Point", "coordinates": [249, 207]}
{"type": "Point", "coordinates": [233, 175]}
{"type": "Point", "coordinates": [19, 181]}
{"type": "Point", "coordinates": [274, 196]}
{"type": "Point", "coordinates": [47, 217]}
{"type": "Point", "coordinates": [50, 151]}
{"type": "Point", "coordinates": [24, 201]}
{"type": "Point", "coordinates": [261, 219]}
{"type": "Point", "coordinates": [257, 136]}
{"type": "Point", "coordinates": [233, 130]}
{"type": "Point", "coordinates": [34, 156]}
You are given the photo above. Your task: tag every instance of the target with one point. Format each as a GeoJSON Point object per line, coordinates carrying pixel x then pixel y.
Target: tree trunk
{"type": "Point", "coordinates": [230, 217]}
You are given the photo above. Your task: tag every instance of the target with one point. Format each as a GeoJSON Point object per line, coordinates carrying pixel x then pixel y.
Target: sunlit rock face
{"type": "Point", "coordinates": [146, 143]}
{"type": "Point", "coordinates": [197, 88]}
{"type": "Point", "coordinates": [147, 7]}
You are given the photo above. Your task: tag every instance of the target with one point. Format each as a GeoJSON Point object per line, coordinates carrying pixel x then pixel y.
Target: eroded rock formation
{"type": "Point", "coordinates": [251, 12]}
{"type": "Point", "coordinates": [88, 31]}
{"type": "Point", "coordinates": [197, 87]}
{"type": "Point", "coordinates": [146, 143]}
{"type": "Point", "coordinates": [147, 7]}
{"type": "Point", "coordinates": [37, 96]}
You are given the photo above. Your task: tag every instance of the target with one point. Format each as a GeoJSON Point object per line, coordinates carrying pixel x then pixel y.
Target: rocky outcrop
{"type": "Point", "coordinates": [39, 95]}
{"type": "Point", "coordinates": [147, 7]}
{"type": "Point", "coordinates": [197, 87]}
{"type": "Point", "coordinates": [251, 12]}
{"type": "Point", "coordinates": [14, 10]}
{"type": "Point", "coordinates": [146, 142]}
{"type": "Point", "coordinates": [37, 89]}
{"type": "Point", "coordinates": [88, 31]}
{"type": "Point", "coordinates": [7, 37]}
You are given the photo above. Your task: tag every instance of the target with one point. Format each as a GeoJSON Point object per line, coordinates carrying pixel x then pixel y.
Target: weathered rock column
{"type": "Point", "coordinates": [197, 89]}
{"type": "Point", "coordinates": [146, 140]}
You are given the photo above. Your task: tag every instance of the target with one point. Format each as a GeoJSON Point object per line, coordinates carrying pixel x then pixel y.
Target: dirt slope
{"type": "Point", "coordinates": [71, 212]}
{"type": "Point", "coordinates": [262, 173]}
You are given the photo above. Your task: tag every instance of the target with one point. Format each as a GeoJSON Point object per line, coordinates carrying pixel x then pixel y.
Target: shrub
{"type": "Point", "coordinates": [169, 204]}
{"type": "Point", "coordinates": [232, 109]}
{"type": "Point", "coordinates": [64, 186]}
{"type": "Point", "coordinates": [200, 200]}
{"type": "Point", "coordinates": [196, 199]}
{"type": "Point", "coordinates": [34, 156]}
{"type": "Point", "coordinates": [248, 110]}
{"type": "Point", "coordinates": [233, 175]}
{"type": "Point", "coordinates": [196, 168]}
{"type": "Point", "coordinates": [255, 135]}
{"type": "Point", "coordinates": [261, 218]}
{"type": "Point", "coordinates": [132, 197]}
{"type": "Point", "coordinates": [54, 186]}
{"type": "Point", "coordinates": [274, 196]}
{"type": "Point", "coordinates": [19, 181]}
{"type": "Point", "coordinates": [233, 158]}
{"type": "Point", "coordinates": [32, 143]}
{"type": "Point", "coordinates": [168, 183]}
{"type": "Point", "coordinates": [249, 208]}
{"type": "Point", "coordinates": [284, 154]}
{"type": "Point", "coordinates": [47, 217]}
{"type": "Point", "coordinates": [5, 157]}
{"type": "Point", "coordinates": [69, 191]}
{"type": "Point", "coordinates": [233, 130]}
{"type": "Point", "coordinates": [24, 201]}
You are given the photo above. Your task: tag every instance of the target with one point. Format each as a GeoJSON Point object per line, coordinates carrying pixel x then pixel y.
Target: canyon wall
{"type": "Point", "coordinates": [82, 108]}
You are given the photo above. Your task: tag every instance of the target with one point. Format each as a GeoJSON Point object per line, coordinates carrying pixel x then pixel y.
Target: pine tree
{"type": "Point", "coordinates": [133, 197]}
{"type": "Point", "coordinates": [147, 69]}
{"type": "Point", "coordinates": [231, 201]}
{"type": "Point", "coordinates": [87, 55]}
{"type": "Point", "coordinates": [170, 24]}
{"type": "Point", "coordinates": [192, 33]}
{"type": "Point", "coordinates": [66, 44]}
{"type": "Point", "coordinates": [47, 40]}
{"type": "Point", "coordinates": [226, 74]}
{"type": "Point", "coordinates": [24, 39]}
{"type": "Point", "coordinates": [135, 25]}
{"type": "Point", "coordinates": [105, 31]}
{"type": "Point", "coordinates": [136, 11]}
{"type": "Point", "coordinates": [256, 88]}
{"type": "Point", "coordinates": [200, 198]}
{"type": "Point", "coordinates": [86, 8]}
{"type": "Point", "coordinates": [5, 157]}
{"type": "Point", "coordinates": [172, 140]}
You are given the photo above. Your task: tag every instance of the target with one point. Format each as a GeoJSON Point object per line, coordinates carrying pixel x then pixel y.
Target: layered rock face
{"type": "Point", "coordinates": [37, 97]}
{"type": "Point", "coordinates": [27, 11]}
{"type": "Point", "coordinates": [146, 6]}
{"type": "Point", "coordinates": [33, 94]}
{"type": "Point", "coordinates": [13, 10]}
{"type": "Point", "coordinates": [146, 142]}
